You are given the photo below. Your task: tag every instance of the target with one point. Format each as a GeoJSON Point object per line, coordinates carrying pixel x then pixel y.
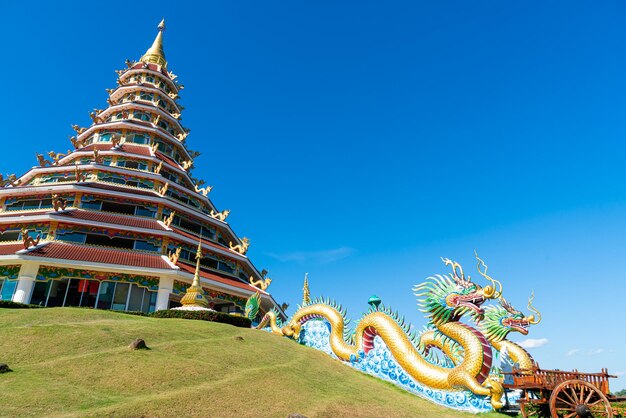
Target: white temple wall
{"type": "Point", "coordinates": [26, 281]}
{"type": "Point", "coordinates": [166, 286]}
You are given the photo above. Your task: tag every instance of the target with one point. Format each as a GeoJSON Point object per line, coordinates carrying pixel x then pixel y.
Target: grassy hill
{"type": "Point", "coordinates": [75, 362]}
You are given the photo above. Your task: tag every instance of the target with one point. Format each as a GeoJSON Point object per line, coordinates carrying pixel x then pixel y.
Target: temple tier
{"type": "Point", "coordinates": [113, 223]}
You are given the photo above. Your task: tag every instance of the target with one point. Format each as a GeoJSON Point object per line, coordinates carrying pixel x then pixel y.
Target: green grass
{"type": "Point", "coordinates": [75, 362]}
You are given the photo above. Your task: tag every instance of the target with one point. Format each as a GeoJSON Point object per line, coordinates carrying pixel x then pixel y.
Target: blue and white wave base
{"type": "Point", "coordinates": [379, 362]}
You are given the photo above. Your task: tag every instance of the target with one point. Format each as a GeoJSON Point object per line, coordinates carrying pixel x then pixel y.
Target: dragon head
{"type": "Point", "coordinates": [252, 306]}
{"type": "Point", "coordinates": [500, 320]}
{"type": "Point", "coordinates": [447, 298]}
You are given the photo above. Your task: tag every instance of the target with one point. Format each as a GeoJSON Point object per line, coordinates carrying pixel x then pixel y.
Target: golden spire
{"type": "Point", "coordinates": [155, 54]}
{"type": "Point", "coordinates": [195, 295]}
{"type": "Point", "coordinates": [306, 296]}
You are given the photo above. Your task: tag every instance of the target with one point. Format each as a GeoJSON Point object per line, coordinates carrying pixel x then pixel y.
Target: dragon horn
{"type": "Point", "coordinates": [496, 284]}
{"type": "Point", "coordinates": [457, 270]}
{"type": "Point", "coordinates": [532, 308]}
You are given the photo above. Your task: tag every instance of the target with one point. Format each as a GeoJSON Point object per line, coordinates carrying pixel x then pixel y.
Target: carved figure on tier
{"type": "Point", "coordinates": [78, 143]}
{"type": "Point", "coordinates": [11, 180]}
{"type": "Point", "coordinates": [42, 160]}
{"type": "Point", "coordinates": [167, 221]}
{"type": "Point", "coordinates": [220, 216]}
{"type": "Point", "coordinates": [173, 256]}
{"type": "Point", "coordinates": [58, 202]}
{"type": "Point", "coordinates": [261, 284]}
{"type": "Point", "coordinates": [97, 158]}
{"type": "Point", "coordinates": [57, 156]}
{"type": "Point", "coordinates": [240, 248]}
{"type": "Point", "coordinates": [78, 129]}
{"type": "Point", "coordinates": [29, 241]}
{"type": "Point", "coordinates": [203, 190]}
{"type": "Point", "coordinates": [116, 140]}
{"type": "Point", "coordinates": [187, 165]}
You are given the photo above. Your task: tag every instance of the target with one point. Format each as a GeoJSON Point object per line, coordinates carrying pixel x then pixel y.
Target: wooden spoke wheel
{"type": "Point", "coordinates": [579, 399]}
{"type": "Point", "coordinates": [531, 410]}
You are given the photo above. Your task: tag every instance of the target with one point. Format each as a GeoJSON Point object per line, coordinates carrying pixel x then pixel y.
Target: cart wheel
{"type": "Point", "coordinates": [529, 412]}
{"type": "Point", "coordinates": [579, 399]}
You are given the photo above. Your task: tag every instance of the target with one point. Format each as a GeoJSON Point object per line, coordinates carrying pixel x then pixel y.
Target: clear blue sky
{"type": "Point", "coordinates": [360, 141]}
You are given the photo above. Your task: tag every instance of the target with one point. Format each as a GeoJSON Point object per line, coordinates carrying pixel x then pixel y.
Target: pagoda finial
{"type": "Point", "coordinates": [196, 276]}
{"type": "Point", "coordinates": [306, 296]}
{"type": "Point", "coordinates": [155, 54]}
{"type": "Point", "coordinates": [194, 296]}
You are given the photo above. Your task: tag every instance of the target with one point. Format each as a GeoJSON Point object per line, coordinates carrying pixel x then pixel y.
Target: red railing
{"type": "Point", "coordinates": [549, 379]}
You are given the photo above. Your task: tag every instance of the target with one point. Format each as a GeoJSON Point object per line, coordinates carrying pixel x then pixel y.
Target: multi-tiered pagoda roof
{"type": "Point", "coordinates": [114, 223]}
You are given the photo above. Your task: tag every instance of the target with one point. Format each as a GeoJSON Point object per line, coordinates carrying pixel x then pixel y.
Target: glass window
{"type": "Point", "coordinates": [105, 296]}
{"type": "Point", "coordinates": [142, 116]}
{"type": "Point", "coordinates": [40, 293]}
{"type": "Point", "coordinates": [8, 288]}
{"type": "Point", "coordinates": [146, 96]}
{"type": "Point", "coordinates": [136, 298]}
{"type": "Point", "coordinates": [78, 237]}
{"type": "Point", "coordinates": [149, 301]}
{"type": "Point", "coordinates": [9, 236]}
{"type": "Point", "coordinates": [143, 211]}
{"type": "Point", "coordinates": [94, 204]}
{"type": "Point", "coordinates": [137, 138]}
{"type": "Point", "coordinates": [121, 296]}
{"type": "Point", "coordinates": [57, 292]}
{"type": "Point", "coordinates": [145, 246]}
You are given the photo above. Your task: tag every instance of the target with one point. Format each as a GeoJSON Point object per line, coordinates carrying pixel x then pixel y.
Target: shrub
{"type": "Point", "coordinates": [16, 305]}
{"type": "Point", "coordinates": [238, 321]}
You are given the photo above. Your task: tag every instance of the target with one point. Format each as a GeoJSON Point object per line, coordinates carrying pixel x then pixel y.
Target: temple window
{"type": "Point", "coordinates": [137, 138]}
{"type": "Point", "coordinates": [104, 240]}
{"type": "Point", "coordinates": [142, 116]}
{"type": "Point", "coordinates": [163, 124]}
{"type": "Point", "coordinates": [146, 246]}
{"type": "Point", "coordinates": [146, 96]}
{"type": "Point", "coordinates": [10, 235]}
{"type": "Point", "coordinates": [21, 204]}
{"type": "Point", "coordinates": [132, 164]}
{"type": "Point", "coordinates": [170, 176]}
{"type": "Point", "coordinates": [7, 288]}
{"type": "Point", "coordinates": [116, 207]}
{"type": "Point", "coordinates": [106, 136]}
{"type": "Point", "coordinates": [71, 236]}
{"type": "Point", "coordinates": [206, 232]}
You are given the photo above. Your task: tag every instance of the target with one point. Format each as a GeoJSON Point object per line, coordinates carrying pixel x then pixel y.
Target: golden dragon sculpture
{"type": "Point", "coordinates": [495, 325]}
{"type": "Point", "coordinates": [444, 299]}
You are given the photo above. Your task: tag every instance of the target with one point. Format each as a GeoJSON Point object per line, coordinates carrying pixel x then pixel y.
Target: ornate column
{"type": "Point", "coordinates": [26, 281]}
{"type": "Point", "coordinates": [166, 285]}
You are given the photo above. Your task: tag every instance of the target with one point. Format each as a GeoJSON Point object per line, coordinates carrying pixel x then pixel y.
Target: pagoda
{"type": "Point", "coordinates": [114, 223]}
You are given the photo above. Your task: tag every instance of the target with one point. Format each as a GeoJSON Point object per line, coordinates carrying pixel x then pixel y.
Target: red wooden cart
{"type": "Point", "coordinates": [565, 394]}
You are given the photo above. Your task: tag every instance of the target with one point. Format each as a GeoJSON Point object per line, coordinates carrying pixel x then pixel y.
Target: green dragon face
{"type": "Point", "coordinates": [500, 320]}
{"type": "Point", "coordinates": [447, 298]}
{"type": "Point", "coordinates": [252, 306]}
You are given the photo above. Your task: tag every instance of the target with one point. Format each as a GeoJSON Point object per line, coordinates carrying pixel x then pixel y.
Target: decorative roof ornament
{"type": "Point", "coordinates": [306, 295]}
{"type": "Point", "coordinates": [194, 297]}
{"type": "Point", "coordinates": [155, 54]}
